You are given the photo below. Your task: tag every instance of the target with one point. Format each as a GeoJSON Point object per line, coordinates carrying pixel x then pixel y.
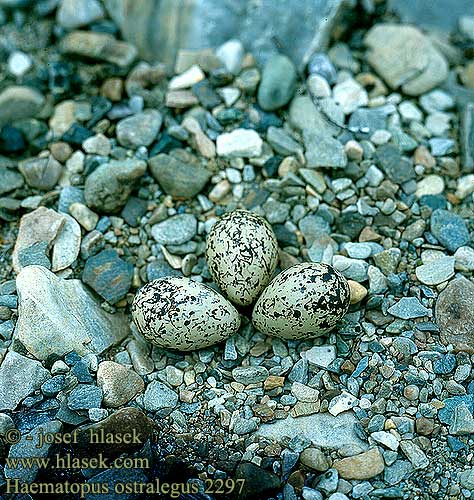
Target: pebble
{"type": "Point", "coordinates": [159, 396]}
{"type": "Point", "coordinates": [249, 375]}
{"type": "Point", "coordinates": [231, 54]}
{"type": "Point", "coordinates": [315, 459]}
{"type": "Point", "coordinates": [108, 187]}
{"type": "Point", "coordinates": [86, 217]}
{"type": "Point", "coordinates": [431, 184]}
{"type": "Point", "coordinates": [19, 377]}
{"type": "Point", "coordinates": [408, 308]}
{"type": "Point", "coordinates": [84, 397]}
{"type": "Point", "coordinates": [176, 230]}
{"type": "Point", "coordinates": [437, 271]}
{"type": "Point", "coordinates": [118, 383]}
{"type": "Point", "coordinates": [140, 129]}
{"type": "Point", "coordinates": [449, 229]}
{"type": "Point", "coordinates": [19, 102]}
{"type": "Point", "coordinates": [239, 143]}
{"type": "Point", "coordinates": [58, 316]}
{"type": "Point", "coordinates": [320, 356]}
{"type": "Point", "coordinates": [19, 63]}
{"type": "Point", "coordinates": [187, 79]}
{"type": "Point", "coordinates": [108, 275]}
{"type": "Point", "coordinates": [76, 13]}
{"type": "Point", "coordinates": [278, 83]}
{"type": "Point", "coordinates": [358, 292]}
{"type": "Point", "coordinates": [362, 466]}
{"type": "Point", "coordinates": [464, 259]}
{"type": "Point", "coordinates": [350, 95]}
{"type": "Point", "coordinates": [41, 173]}
{"type": "Point", "coordinates": [323, 151]}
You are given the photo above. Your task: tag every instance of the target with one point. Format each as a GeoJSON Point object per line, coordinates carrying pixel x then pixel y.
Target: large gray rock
{"type": "Point", "coordinates": [322, 429]}
{"type": "Point", "coordinates": [57, 316]}
{"type": "Point", "coordinates": [19, 377]}
{"type": "Point", "coordinates": [159, 28]}
{"type": "Point", "coordinates": [17, 102]}
{"type": "Point", "coordinates": [438, 15]}
{"type": "Point", "coordinates": [404, 57]}
{"type": "Point", "coordinates": [108, 187]}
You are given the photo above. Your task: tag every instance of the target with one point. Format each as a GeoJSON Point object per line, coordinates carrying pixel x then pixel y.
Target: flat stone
{"type": "Point", "coordinates": [282, 143]}
{"type": "Point", "coordinates": [464, 259]}
{"type": "Point", "coordinates": [341, 403]}
{"type": "Point", "coordinates": [140, 129]}
{"type": "Point", "coordinates": [108, 275]}
{"type": "Point", "coordinates": [43, 224]}
{"type": "Point", "coordinates": [36, 254]}
{"type": "Point", "coordinates": [31, 446]}
{"type": "Point", "coordinates": [363, 466]}
{"type": "Point", "coordinates": [350, 95]}
{"type": "Point", "coordinates": [118, 383]}
{"type": "Point", "coordinates": [179, 179]}
{"type": "Point", "coordinates": [415, 454]}
{"type": "Point", "coordinates": [158, 396]}
{"type": "Point", "coordinates": [76, 13]}
{"type": "Point", "coordinates": [17, 103]}
{"type": "Point", "coordinates": [405, 58]}
{"type": "Point", "coordinates": [397, 168]}
{"type": "Point", "coordinates": [386, 439]}
{"type": "Point", "coordinates": [323, 151]}
{"type": "Point", "coordinates": [187, 79]}
{"type": "Point", "coordinates": [304, 115]}
{"type": "Point", "coordinates": [467, 137]}
{"type": "Point", "coordinates": [278, 83]}
{"type": "Point", "coordinates": [249, 374]}
{"type": "Point", "coordinates": [321, 356]}
{"type": "Point", "coordinates": [323, 429]}
{"type": "Point", "coordinates": [58, 316]}
{"type": "Point", "coordinates": [9, 180]}
{"type": "Point", "coordinates": [455, 316]}
{"type": "Point", "coordinates": [99, 46]}
{"type": "Point", "coordinates": [84, 397]}
{"type": "Point", "coordinates": [41, 173]}
{"type": "Point", "coordinates": [449, 229]}
{"type": "Point", "coordinates": [160, 31]}
{"type": "Point", "coordinates": [354, 269]}
{"type": "Point", "coordinates": [239, 143]}
{"type": "Point", "coordinates": [313, 228]}
{"type": "Point", "coordinates": [462, 421]}
{"type": "Point", "coordinates": [108, 187]}
{"type": "Point", "coordinates": [66, 245]}
{"type": "Point", "coordinates": [408, 308]}
{"type": "Point", "coordinates": [436, 272]}
{"type": "Point", "coordinates": [19, 377]}
{"type": "Point", "coordinates": [176, 230]}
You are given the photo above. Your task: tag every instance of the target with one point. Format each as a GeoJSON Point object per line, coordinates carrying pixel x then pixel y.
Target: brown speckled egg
{"type": "Point", "coordinates": [179, 313]}
{"type": "Point", "coordinates": [304, 301]}
{"type": "Point", "coordinates": [242, 254]}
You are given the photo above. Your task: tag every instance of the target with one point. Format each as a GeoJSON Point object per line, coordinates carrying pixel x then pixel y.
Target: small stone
{"type": "Point", "coordinates": [9, 180]}
{"type": "Point", "coordinates": [249, 374]}
{"type": "Point", "coordinates": [408, 308]}
{"type": "Point", "coordinates": [414, 453]}
{"type": "Point", "coordinates": [278, 83]}
{"type": "Point", "coordinates": [140, 129]}
{"type": "Point", "coordinates": [97, 144]}
{"type": "Point", "coordinates": [118, 383]}
{"type": "Point", "coordinates": [363, 466]}
{"type": "Point", "coordinates": [108, 275]}
{"type": "Point", "coordinates": [19, 63]}
{"type": "Point", "coordinates": [449, 229]}
{"type": "Point", "coordinates": [231, 54]}
{"type": "Point", "coordinates": [187, 79]}
{"type": "Point", "coordinates": [239, 143]}
{"type": "Point", "coordinates": [358, 291]}
{"type": "Point", "coordinates": [76, 13]}
{"type": "Point", "coordinates": [176, 230]}
{"type": "Point", "coordinates": [108, 187]}
{"type": "Point", "coordinates": [386, 439]}
{"type": "Point", "coordinates": [354, 269]}
{"type": "Point", "coordinates": [320, 356]}
{"type": "Point", "coordinates": [323, 151]}
{"type": "Point", "coordinates": [36, 254]}
{"type": "Point", "coordinates": [431, 184]}
{"type": "Point", "coordinates": [436, 272]}
{"type": "Point", "coordinates": [86, 217]}
{"type": "Point", "coordinates": [341, 403]}
{"type": "Point", "coordinates": [41, 173]}
{"type": "Point", "coordinates": [282, 143]}
{"type": "Point", "coordinates": [18, 102]}
{"type": "Point", "coordinates": [464, 259]}
{"type": "Point", "coordinates": [99, 46]}
{"type": "Point", "coordinates": [397, 168]}
{"type": "Point", "coordinates": [180, 99]}
{"type": "Point", "coordinates": [85, 396]}
{"type": "Point", "coordinates": [315, 459]}
{"type": "Point", "coordinates": [350, 95]}
{"type": "Point", "coordinates": [159, 396]}
{"type": "Point", "coordinates": [388, 260]}
{"type": "Point", "coordinates": [304, 393]}
{"type": "Point", "coordinates": [19, 377]}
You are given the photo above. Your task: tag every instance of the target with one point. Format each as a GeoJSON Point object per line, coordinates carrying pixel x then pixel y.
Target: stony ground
{"type": "Point", "coordinates": [113, 171]}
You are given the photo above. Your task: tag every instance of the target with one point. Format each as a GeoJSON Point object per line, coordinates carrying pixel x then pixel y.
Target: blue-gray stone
{"type": "Point", "coordinates": [312, 227]}
{"type": "Point", "coordinates": [434, 201]}
{"type": "Point", "coordinates": [134, 210]}
{"type": "Point", "coordinates": [441, 146]}
{"type": "Point", "coordinates": [365, 121]}
{"type": "Point", "coordinates": [6, 329]}
{"type": "Point", "coordinates": [36, 254]}
{"type": "Point", "coordinates": [68, 196]}
{"type": "Point", "coordinates": [9, 180]}
{"type": "Point", "coordinates": [160, 269]}
{"type": "Point", "coordinates": [81, 372]}
{"type": "Point", "coordinates": [449, 229]}
{"type": "Point", "coordinates": [444, 364]}
{"type": "Point", "coordinates": [397, 472]}
{"type": "Point", "coordinates": [446, 414]}
{"type": "Point", "coordinates": [85, 396]}
{"type": "Point", "coordinates": [175, 230]}
{"type": "Point", "coordinates": [10, 301]}
{"type": "Point", "coordinates": [408, 308]}
{"type": "Point", "coordinates": [278, 83]}
{"type": "Point", "coordinates": [52, 386]}
{"type": "Point", "coordinates": [320, 64]}
{"type": "Point", "coordinates": [397, 168]}
{"type": "Point", "coordinates": [108, 275]}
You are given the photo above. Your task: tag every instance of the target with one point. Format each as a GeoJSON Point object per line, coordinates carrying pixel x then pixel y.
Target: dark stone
{"type": "Point", "coordinates": [36, 254]}
{"type": "Point", "coordinates": [284, 236]}
{"type": "Point", "coordinates": [81, 372]}
{"type": "Point", "coordinates": [11, 140]}
{"type": "Point", "coordinates": [134, 210]}
{"type": "Point", "coordinates": [68, 196]}
{"type": "Point", "coordinates": [255, 197]}
{"type": "Point", "coordinates": [165, 144]}
{"type": "Point", "coordinates": [84, 397]}
{"type": "Point", "coordinates": [351, 224]}
{"type": "Point", "coordinates": [444, 364]}
{"type": "Point", "coordinates": [437, 15]}
{"type": "Point", "coordinates": [72, 358]}
{"type": "Point", "coordinates": [122, 421]}
{"type": "Point", "coordinates": [178, 178]}
{"type": "Point", "coordinates": [397, 168]}
{"type": "Point", "coordinates": [259, 483]}
{"type": "Point", "coordinates": [365, 121]}
{"type": "Point", "coordinates": [52, 386]}
{"type": "Point", "coordinates": [434, 201]}
{"type": "Point", "coordinates": [9, 179]}
{"type": "Point", "coordinates": [323, 66]}
{"type": "Point", "coordinates": [206, 94]}
{"type": "Point", "coordinates": [278, 83]}
{"type": "Point", "coordinates": [100, 107]}
{"type": "Point", "coordinates": [449, 229]}
{"type": "Point", "coordinates": [271, 166]}
{"type": "Point", "coordinates": [108, 275]}
{"type": "Point", "coordinates": [77, 134]}
{"type": "Point", "coordinates": [114, 478]}
{"type": "Point", "coordinates": [229, 115]}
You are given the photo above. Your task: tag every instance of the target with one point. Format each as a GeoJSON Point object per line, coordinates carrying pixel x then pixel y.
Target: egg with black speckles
{"type": "Point", "coordinates": [242, 254]}
{"type": "Point", "coordinates": [179, 313]}
{"type": "Point", "coordinates": [304, 301]}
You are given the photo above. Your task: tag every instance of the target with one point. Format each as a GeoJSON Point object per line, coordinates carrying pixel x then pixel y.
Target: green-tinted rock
{"type": "Point", "coordinates": [278, 83]}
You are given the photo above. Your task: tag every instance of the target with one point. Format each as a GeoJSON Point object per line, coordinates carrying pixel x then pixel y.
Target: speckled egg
{"type": "Point", "coordinates": [179, 313]}
{"type": "Point", "coordinates": [242, 254]}
{"type": "Point", "coordinates": [304, 301]}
